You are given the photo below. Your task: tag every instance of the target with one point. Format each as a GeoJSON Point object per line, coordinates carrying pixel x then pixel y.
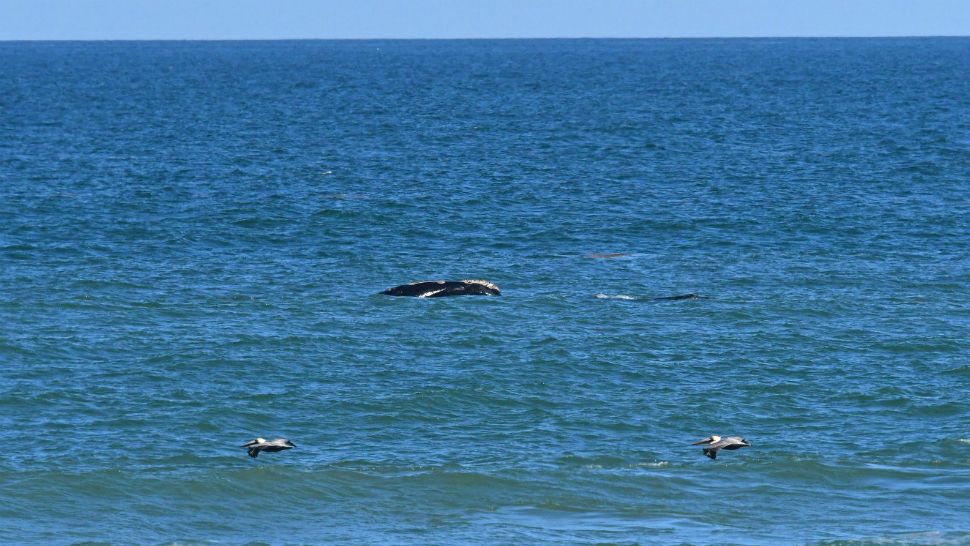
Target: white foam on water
{"type": "Point", "coordinates": [484, 283]}
{"type": "Point", "coordinates": [614, 297]}
{"type": "Point", "coordinates": [655, 464]}
{"type": "Point", "coordinates": [431, 293]}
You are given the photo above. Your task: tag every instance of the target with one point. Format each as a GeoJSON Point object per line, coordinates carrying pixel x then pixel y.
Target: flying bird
{"type": "Point", "coordinates": [715, 443]}
{"type": "Point", "coordinates": [260, 444]}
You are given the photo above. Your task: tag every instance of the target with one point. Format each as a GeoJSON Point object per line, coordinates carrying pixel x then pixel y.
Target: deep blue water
{"type": "Point", "coordinates": [192, 237]}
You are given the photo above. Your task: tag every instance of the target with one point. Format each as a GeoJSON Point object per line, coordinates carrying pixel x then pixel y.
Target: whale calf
{"type": "Point", "coordinates": [439, 289]}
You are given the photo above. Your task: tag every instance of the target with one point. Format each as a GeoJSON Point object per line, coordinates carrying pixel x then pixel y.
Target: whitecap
{"type": "Point", "coordinates": [655, 464]}
{"type": "Point", "coordinates": [614, 297]}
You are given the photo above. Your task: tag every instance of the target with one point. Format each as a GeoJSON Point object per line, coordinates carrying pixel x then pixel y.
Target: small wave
{"type": "Point", "coordinates": [929, 537]}
{"type": "Point", "coordinates": [614, 297]}
{"type": "Point", "coordinates": [654, 464]}
{"type": "Point", "coordinates": [964, 440]}
{"type": "Point", "coordinates": [607, 255]}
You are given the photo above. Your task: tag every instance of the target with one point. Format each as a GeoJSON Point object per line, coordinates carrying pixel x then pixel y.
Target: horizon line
{"type": "Point", "coordinates": [496, 38]}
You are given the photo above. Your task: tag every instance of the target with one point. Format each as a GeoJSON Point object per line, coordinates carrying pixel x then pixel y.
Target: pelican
{"type": "Point", "coordinates": [715, 443]}
{"type": "Point", "coordinates": [260, 444]}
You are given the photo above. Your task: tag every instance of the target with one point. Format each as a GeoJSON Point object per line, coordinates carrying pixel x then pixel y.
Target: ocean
{"type": "Point", "coordinates": [194, 236]}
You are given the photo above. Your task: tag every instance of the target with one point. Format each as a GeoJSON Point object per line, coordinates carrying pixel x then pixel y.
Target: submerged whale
{"type": "Point", "coordinates": [439, 289]}
{"type": "Point", "coordinates": [678, 297]}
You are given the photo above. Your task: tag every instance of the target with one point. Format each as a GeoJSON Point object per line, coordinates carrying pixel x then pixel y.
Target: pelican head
{"type": "Point", "coordinates": [709, 440]}
{"type": "Point", "coordinates": [257, 441]}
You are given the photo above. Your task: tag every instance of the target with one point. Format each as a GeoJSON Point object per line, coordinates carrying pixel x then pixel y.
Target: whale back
{"type": "Point", "coordinates": [438, 289]}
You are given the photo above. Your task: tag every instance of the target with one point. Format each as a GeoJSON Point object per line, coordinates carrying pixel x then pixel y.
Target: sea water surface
{"type": "Point", "coordinates": [193, 236]}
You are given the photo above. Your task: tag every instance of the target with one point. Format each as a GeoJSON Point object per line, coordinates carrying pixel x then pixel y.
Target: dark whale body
{"type": "Point", "coordinates": [679, 297]}
{"type": "Point", "coordinates": [440, 289]}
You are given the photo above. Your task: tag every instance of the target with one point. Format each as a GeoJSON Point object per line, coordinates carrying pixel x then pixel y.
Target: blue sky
{"type": "Point", "coordinates": [265, 19]}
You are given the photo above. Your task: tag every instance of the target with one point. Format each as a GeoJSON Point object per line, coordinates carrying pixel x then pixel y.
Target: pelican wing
{"type": "Point", "coordinates": [732, 442]}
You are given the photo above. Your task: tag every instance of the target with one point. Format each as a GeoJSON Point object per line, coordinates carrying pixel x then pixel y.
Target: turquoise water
{"type": "Point", "coordinates": [193, 236]}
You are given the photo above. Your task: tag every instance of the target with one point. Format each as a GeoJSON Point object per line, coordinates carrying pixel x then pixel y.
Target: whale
{"type": "Point", "coordinates": [440, 289]}
{"type": "Point", "coordinates": [678, 297]}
